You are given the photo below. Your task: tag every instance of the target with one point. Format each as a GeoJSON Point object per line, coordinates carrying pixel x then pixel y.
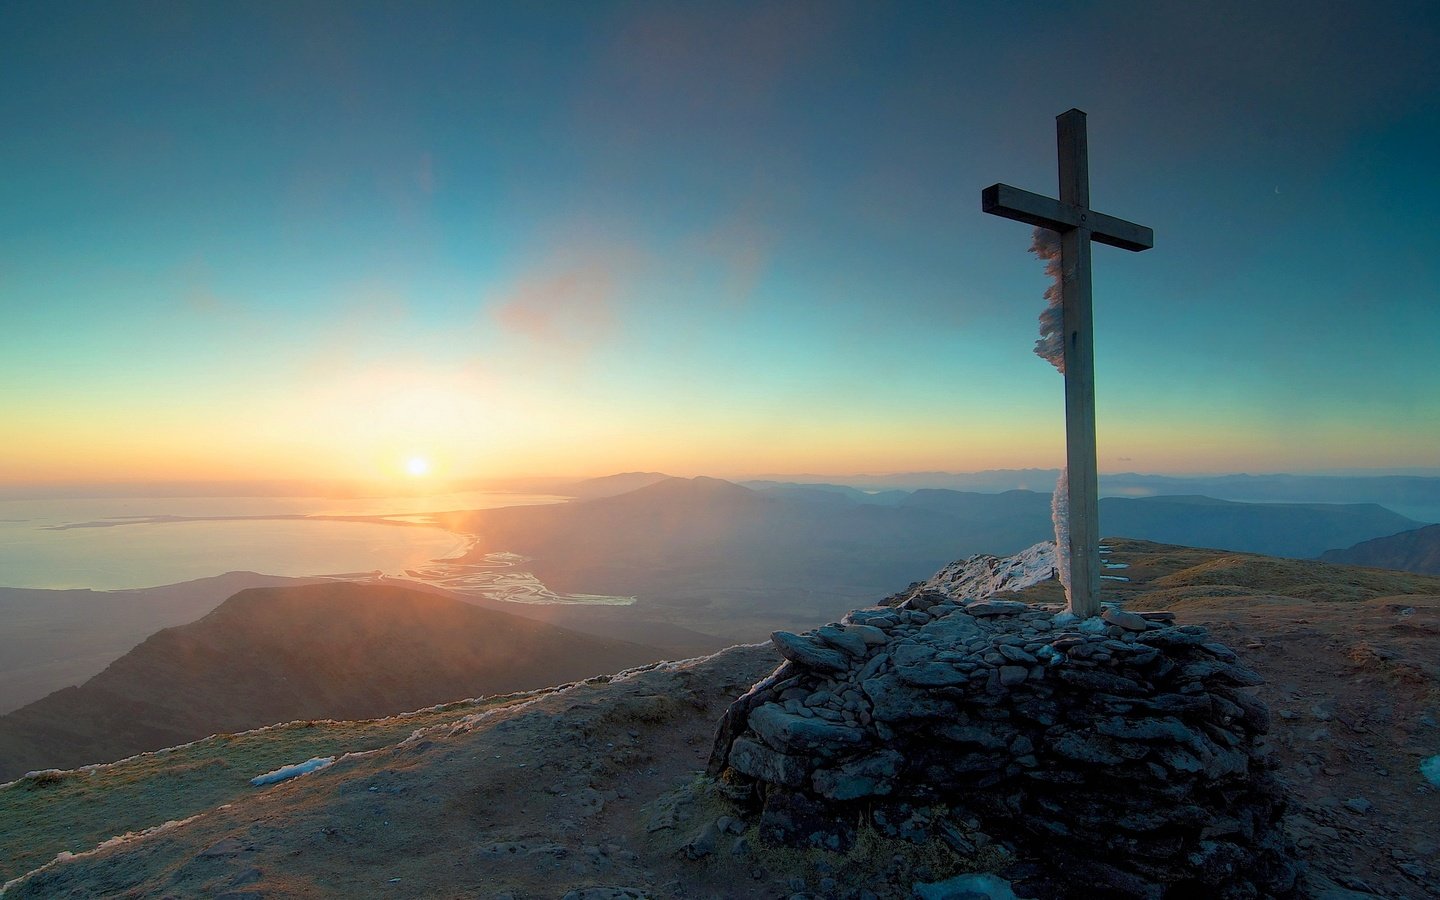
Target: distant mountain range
{"type": "Point", "coordinates": [1408, 551]}
{"type": "Point", "coordinates": [266, 655]}
{"type": "Point", "coordinates": [1412, 495]}
{"type": "Point", "coordinates": [735, 560]}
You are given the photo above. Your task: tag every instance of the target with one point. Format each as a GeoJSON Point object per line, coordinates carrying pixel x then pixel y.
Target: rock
{"type": "Point", "coordinates": [1171, 638]}
{"type": "Point", "coordinates": [841, 639]}
{"type": "Point", "coordinates": [1017, 654]}
{"type": "Point", "coordinates": [951, 631]}
{"type": "Point", "coordinates": [1013, 675]}
{"type": "Point", "coordinates": [787, 731]}
{"type": "Point", "coordinates": [758, 761]}
{"type": "Point", "coordinates": [807, 652]}
{"type": "Point", "coordinates": [996, 608]}
{"type": "Point", "coordinates": [1254, 714]}
{"type": "Point", "coordinates": [1359, 805]}
{"type": "Point", "coordinates": [1088, 749]}
{"type": "Point", "coordinates": [912, 653]}
{"type": "Point", "coordinates": [1163, 729]}
{"type": "Point", "coordinates": [971, 735]}
{"type": "Point", "coordinates": [881, 617]}
{"type": "Point", "coordinates": [873, 667]}
{"type": "Point", "coordinates": [867, 776]}
{"type": "Point", "coordinates": [702, 844]}
{"type": "Point", "coordinates": [1220, 652]}
{"type": "Point", "coordinates": [1126, 620]}
{"type": "Point", "coordinates": [608, 893]}
{"type": "Point", "coordinates": [1100, 682]}
{"type": "Point", "coordinates": [1206, 669]}
{"type": "Point", "coordinates": [892, 701]}
{"type": "Point", "coordinates": [870, 634]}
{"type": "Point", "coordinates": [931, 674]}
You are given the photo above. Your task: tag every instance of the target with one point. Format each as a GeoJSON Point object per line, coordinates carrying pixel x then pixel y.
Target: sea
{"type": "Point", "coordinates": [135, 542]}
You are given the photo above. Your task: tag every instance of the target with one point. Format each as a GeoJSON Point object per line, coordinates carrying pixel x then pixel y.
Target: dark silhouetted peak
{"type": "Point", "coordinates": [1417, 550]}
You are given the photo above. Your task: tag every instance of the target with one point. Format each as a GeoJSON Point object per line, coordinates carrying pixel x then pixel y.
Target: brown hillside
{"type": "Point", "coordinates": [266, 655]}
{"type": "Point", "coordinates": [1409, 551]}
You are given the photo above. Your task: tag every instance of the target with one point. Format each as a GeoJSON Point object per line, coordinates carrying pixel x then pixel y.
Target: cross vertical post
{"type": "Point", "coordinates": [1077, 225]}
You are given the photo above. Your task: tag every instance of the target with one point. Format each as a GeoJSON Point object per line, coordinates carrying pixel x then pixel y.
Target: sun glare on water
{"type": "Point", "coordinates": [417, 466]}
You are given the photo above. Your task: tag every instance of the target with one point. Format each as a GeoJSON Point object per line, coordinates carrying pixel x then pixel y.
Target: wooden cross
{"type": "Point", "coordinates": [1077, 224]}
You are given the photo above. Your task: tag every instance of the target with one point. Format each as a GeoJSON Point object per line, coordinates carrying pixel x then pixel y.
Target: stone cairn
{"type": "Point", "coordinates": [1122, 750]}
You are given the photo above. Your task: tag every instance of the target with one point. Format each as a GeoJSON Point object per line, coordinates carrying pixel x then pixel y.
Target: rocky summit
{"type": "Point", "coordinates": [1124, 748]}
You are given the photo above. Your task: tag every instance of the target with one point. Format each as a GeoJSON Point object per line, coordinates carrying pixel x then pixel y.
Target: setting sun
{"type": "Point", "coordinates": [417, 466]}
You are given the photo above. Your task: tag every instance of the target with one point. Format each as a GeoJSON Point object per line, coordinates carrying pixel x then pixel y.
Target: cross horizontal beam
{"type": "Point", "coordinates": [1045, 212]}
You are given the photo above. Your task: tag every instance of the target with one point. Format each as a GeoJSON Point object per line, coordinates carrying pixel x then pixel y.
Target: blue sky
{"type": "Point", "coordinates": [304, 240]}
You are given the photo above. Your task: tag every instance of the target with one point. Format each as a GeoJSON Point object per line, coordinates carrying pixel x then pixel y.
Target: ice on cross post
{"type": "Point", "coordinates": [1078, 225]}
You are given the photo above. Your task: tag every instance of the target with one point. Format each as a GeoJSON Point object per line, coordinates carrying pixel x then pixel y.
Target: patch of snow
{"type": "Point", "coordinates": [1117, 565]}
{"type": "Point", "coordinates": [1430, 768]}
{"type": "Point", "coordinates": [1114, 578]}
{"type": "Point", "coordinates": [313, 764]}
{"type": "Point", "coordinates": [982, 886]}
{"type": "Point", "coordinates": [1093, 625]}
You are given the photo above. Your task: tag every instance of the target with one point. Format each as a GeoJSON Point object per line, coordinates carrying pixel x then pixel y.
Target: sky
{"type": "Point", "coordinates": [301, 240]}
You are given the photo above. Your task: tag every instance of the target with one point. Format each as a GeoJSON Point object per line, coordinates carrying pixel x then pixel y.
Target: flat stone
{"type": "Point", "coordinates": [866, 776]}
{"type": "Point", "coordinates": [1174, 704]}
{"type": "Point", "coordinates": [751, 758]}
{"type": "Point", "coordinates": [1205, 669]}
{"type": "Point", "coordinates": [1017, 654]}
{"type": "Point", "coordinates": [873, 667]}
{"type": "Point", "coordinates": [870, 634]}
{"type": "Point", "coordinates": [1172, 637]}
{"type": "Point", "coordinates": [892, 701]}
{"type": "Point", "coordinates": [1013, 675]}
{"type": "Point", "coordinates": [841, 639]}
{"type": "Point", "coordinates": [1167, 728]}
{"type": "Point", "coordinates": [931, 674]}
{"type": "Point", "coordinates": [973, 735]}
{"type": "Point", "coordinates": [882, 617]}
{"type": "Point", "coordinates": [1220, 652]}
{"type": "Point", "coordinates": [808, 652]}
{"type": "Point", "coordinates": [909, 653]}
{"type": "Point", "coordinates": [1178, 760]}
{"type": "Point", "coordinates": [786, 731]}
{"type": "Point", "coordinates": [951, 630]}
{"type": "Point", "coordinates": [1100, 681]}
{"type": "Point", "coordinates": [997, 608]}
{"type": "Point", "coordinates": [1126, 620]}
{"type": "Point", "coordinates": [1088, 749]}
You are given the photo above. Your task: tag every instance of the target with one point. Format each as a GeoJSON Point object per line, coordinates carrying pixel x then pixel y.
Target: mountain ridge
{"type": "Point", "coordinates": [326, 650]}
{"type": "Point", "coordinates": [1416, 550]}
